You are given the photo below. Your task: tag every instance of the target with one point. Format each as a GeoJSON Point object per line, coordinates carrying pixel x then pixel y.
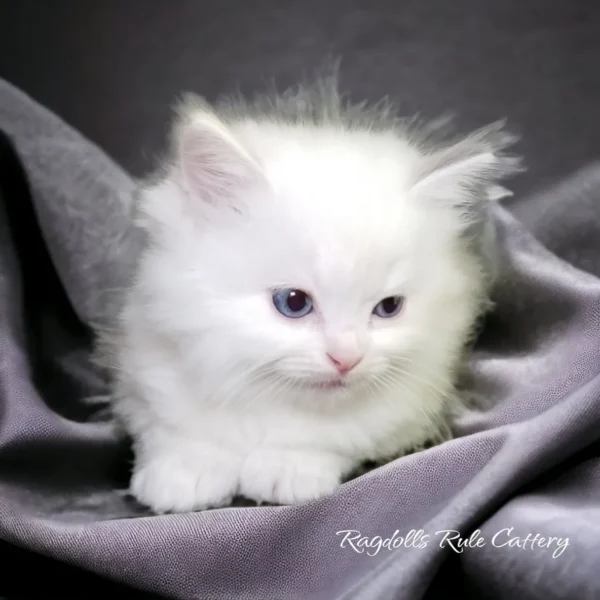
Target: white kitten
{"type": "Point", "coordinates": [311, 279]}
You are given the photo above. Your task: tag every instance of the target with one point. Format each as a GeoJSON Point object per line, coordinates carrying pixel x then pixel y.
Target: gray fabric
{"type": "Point", "coordinates": [530, 462]}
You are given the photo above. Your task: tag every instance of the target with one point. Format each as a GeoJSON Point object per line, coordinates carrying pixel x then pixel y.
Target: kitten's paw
{"type": "Point", "coordinates": [289, 477]}
{"type": "Point", "coordinates": [185, 483]}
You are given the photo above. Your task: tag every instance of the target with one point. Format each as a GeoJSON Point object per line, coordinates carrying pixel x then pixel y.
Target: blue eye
{"type": "Point", "coordinates": [389, 307]}
{"type": "Point", "coordinates": [292, 303]}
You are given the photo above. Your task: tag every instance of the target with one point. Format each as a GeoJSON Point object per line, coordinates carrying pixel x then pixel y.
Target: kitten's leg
{"type": "Point", "coordinates": [175, 474]}
{"type": "Point", "coordinates": [283, 476]}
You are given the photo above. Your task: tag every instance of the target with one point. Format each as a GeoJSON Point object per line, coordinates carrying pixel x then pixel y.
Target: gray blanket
{"type": "Point", "coordinates": [520, 484]}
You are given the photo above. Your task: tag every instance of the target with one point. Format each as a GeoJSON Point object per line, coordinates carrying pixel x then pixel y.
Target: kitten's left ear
{"type": "Point", "coordinates": [466, 173]}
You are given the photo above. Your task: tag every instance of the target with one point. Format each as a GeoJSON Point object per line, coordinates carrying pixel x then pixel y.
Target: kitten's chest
{"type": "Point", "coordinates": [374, 431]}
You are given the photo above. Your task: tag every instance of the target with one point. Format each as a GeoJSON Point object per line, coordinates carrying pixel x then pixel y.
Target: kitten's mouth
{"type": "Point", "coordinates": [330, 384]}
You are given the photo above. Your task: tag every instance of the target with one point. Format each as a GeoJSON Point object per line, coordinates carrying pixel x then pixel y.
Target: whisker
{"type": "Point", "coordinates": [412, 361]}
{"type": "Point", "coordinates": [432, 416]}
{"type": "Point", "coordinates": [235, 379]}
{"type": "Point", "coordinates": [382, 386]}
{"type": "Point", "coordinates": [399, 371]}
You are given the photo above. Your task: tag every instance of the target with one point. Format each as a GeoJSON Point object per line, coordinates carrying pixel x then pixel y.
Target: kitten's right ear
{"type": "Point", "coordinates": [212, 166]}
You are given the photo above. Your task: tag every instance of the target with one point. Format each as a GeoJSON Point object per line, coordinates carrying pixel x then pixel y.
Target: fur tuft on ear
{"type": "Point", "coordinates": [466, 172]}
{"type": "Point", "coordinates": [212, 166]}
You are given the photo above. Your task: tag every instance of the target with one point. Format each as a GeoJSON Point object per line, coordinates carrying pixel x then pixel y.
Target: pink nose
{"type": "Point", "coordinates": [344, 365]}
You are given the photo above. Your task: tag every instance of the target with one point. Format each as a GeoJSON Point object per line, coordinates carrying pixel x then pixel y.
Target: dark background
{"type": "Point", "coordinates": [113, 69]}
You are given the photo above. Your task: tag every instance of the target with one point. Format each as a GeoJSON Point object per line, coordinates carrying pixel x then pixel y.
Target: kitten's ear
{"type": "Point", "coordinates": [212, 165]}
{"type": "Point", "coordinates": [495, 193]}
{"type": "Point", "coordinates": [467, 172]}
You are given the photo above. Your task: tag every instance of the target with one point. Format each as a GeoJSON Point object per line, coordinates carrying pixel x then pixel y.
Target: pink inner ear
{"type": "Point", "coordinates": [213, 165]}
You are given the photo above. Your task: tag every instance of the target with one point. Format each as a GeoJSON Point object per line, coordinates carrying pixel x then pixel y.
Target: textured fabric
{"type": "Point", "coordinates": [529, 462]}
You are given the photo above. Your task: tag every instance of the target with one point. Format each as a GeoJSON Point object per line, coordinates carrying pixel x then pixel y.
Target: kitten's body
{"type": "Point", "coordinates": [224, 395]}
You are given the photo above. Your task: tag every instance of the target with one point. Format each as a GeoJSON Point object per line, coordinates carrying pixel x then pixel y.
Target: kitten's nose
{"type": "Point", "coordinates": [344, 364]}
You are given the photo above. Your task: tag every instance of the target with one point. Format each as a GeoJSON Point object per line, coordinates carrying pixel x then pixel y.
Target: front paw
{"type": "Point", "coordinates": [173, 482]}
{"type": "Point", "coordinates": [289, 477]}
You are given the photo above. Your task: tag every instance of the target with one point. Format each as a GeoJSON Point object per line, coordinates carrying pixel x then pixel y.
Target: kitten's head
{"type": "Point", "coordinates": [318, 258]}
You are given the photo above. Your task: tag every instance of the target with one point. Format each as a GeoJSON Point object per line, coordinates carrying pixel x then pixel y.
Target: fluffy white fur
{"type": "Point", "coordinates": [220, 392]}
